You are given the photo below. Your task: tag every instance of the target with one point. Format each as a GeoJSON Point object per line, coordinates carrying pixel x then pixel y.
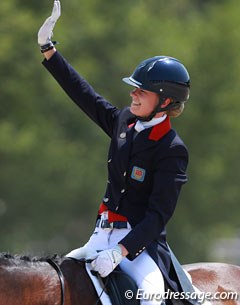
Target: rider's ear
{"type": "Point", "coordinates": [166, 102]}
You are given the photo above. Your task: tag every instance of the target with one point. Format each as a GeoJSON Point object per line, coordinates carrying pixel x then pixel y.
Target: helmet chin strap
{"type": "Point", "coordinates": [149, 117]}
{"type": "Point", "coordinates": [157, 109]}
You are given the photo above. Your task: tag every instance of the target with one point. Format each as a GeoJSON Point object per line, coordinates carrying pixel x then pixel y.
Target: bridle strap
{"type": "Point", "coordinates": [61, 278]}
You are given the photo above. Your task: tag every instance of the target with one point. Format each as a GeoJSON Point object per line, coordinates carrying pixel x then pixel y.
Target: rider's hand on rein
{"type": "Point", "coordinates": [107, 261]}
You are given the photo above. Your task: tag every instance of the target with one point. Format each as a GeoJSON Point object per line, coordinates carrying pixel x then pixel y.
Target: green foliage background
{"type": "Point", "coordinates": [53, 159]}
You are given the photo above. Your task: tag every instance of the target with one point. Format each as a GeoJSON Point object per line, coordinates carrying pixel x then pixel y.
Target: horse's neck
{"type": "Point", "coordinates": [28, 284]}
{"type": "Point", "coordinates": [78, 286]}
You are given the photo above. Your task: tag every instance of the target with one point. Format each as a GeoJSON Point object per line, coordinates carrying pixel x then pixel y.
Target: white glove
{"type": "Point", "coordinates": [46, 31]}
{"type": "Point", "coordinates": [83, 252]}
{"type": "Point", "coordinates": [107, 261]}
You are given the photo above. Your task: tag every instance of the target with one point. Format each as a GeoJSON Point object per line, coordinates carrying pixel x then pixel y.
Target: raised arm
{"type": "Point", "coordinates": [78, 89]}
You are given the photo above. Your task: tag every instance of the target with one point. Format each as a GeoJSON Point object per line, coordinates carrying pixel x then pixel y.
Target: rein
{"type": "Point", "coordinates": [61, 278]}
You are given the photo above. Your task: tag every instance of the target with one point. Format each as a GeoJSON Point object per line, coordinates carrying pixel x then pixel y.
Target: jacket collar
{"type": "Point", "coordinates": [159, 130]}
{"type": "Point", "coordinates": [150, 136]}
{"type": "Point", "coordinates": [141, 125]}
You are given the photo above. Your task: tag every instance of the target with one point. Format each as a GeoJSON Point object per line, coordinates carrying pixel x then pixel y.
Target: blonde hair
{"type": "Point", "coordinates": [176, 110]}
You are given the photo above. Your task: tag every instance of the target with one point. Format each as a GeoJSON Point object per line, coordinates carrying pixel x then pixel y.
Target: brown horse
{"type": "Point", "coordinates": [31, 281]}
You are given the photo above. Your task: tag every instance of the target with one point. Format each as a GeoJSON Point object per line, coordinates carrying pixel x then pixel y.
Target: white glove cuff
{"type": "Point", "coordinates": [117, 255]}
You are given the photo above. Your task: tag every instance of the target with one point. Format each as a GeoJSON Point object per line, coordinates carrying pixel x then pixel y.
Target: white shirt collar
{"type": "Point", "coordinates": [141, 125]}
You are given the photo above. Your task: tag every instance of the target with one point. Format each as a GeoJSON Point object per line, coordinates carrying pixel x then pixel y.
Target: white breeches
{"type": "Point", "coordinates": [142, 269]}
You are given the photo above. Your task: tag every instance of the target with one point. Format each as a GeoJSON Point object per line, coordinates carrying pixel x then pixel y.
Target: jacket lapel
{"type": "Point", "coordinates": [125, 145]}
{"type": "Point", "coordinates": [150, 136]}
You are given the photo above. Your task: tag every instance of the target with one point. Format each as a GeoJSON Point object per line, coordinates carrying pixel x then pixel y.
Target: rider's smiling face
{"type": "Point", "coordinates": [143, 102]}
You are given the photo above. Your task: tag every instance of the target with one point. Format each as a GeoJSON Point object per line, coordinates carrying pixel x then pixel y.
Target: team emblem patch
{"type": "Point", "coordinates": [138, 174]}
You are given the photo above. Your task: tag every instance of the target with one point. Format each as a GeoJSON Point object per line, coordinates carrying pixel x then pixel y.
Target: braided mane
{"type": "Point", "coordinates": [10, 258]}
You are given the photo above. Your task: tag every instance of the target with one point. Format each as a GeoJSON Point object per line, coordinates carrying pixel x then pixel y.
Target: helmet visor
{"type": "Point", "coordinates": [131, 81]}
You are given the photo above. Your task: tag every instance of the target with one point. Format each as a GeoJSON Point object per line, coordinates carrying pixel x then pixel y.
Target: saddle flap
{"type": "Point", "coordinates": [112, 289]}
{"type": "Point", "coordinates": [118, 285]}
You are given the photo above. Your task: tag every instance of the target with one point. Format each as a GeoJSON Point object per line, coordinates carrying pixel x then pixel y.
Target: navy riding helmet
{"type": "Point", "coordinates": [164, 75]}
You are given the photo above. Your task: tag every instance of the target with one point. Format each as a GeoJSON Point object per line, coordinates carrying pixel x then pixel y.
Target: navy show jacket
{"type": "Point", "coordinates": [145, 175]}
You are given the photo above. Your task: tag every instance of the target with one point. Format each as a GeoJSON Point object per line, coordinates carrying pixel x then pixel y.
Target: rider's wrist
{"type": "Point", "coordinates": [47, 47]}
{"type": "Point", "coordinates": [124, 251]}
